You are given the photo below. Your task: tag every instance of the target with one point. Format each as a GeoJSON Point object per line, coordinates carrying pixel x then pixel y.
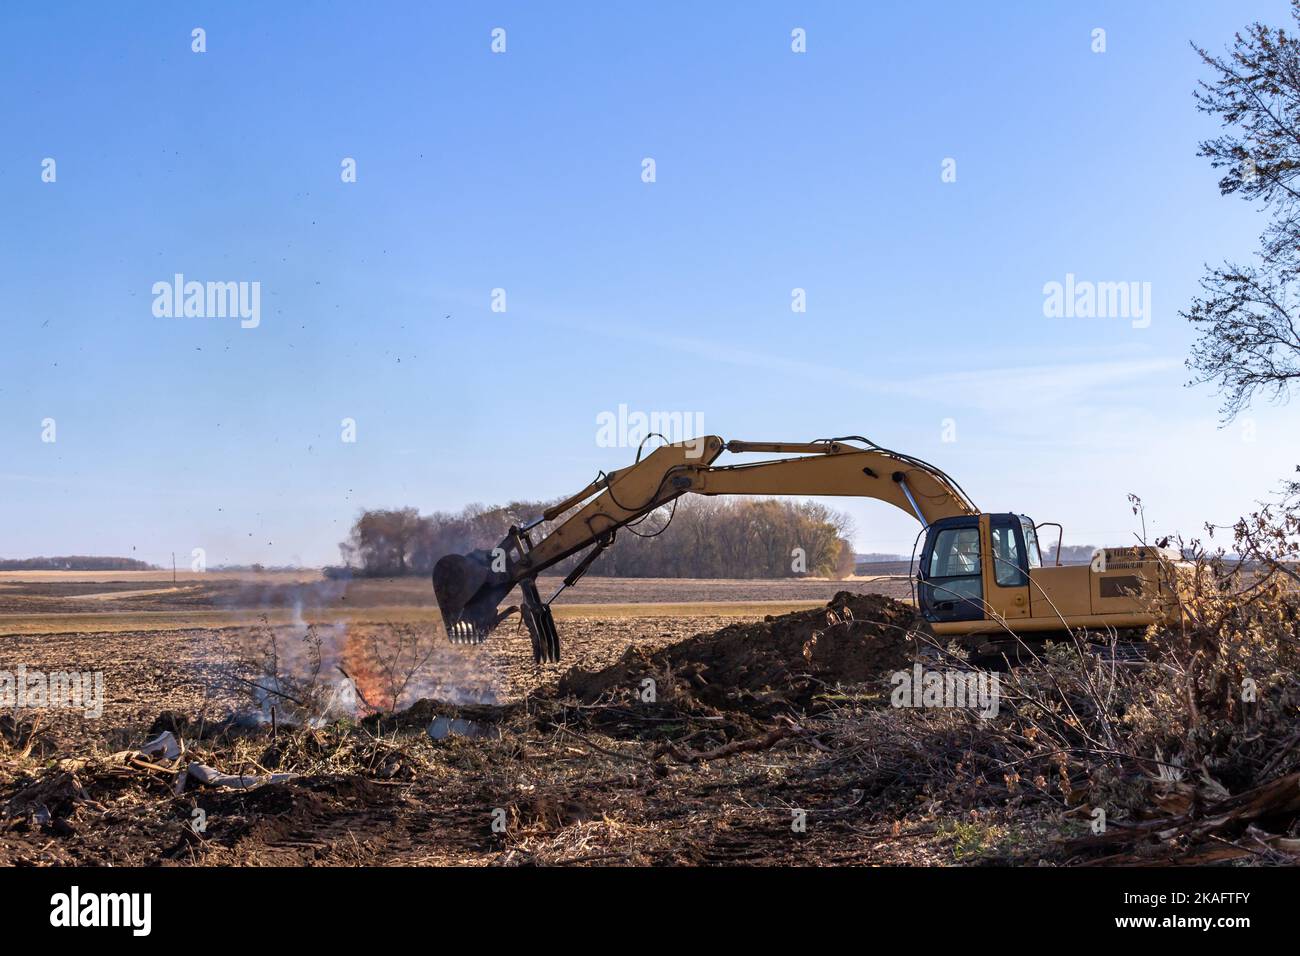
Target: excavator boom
{"type": "Point", "coordinates": [470, 587]}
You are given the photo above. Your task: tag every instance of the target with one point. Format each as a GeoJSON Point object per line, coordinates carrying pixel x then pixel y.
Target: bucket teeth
{"type": "Point", "coordinates": [464, 632]}
{"type": "Point", "coordinates": [469, 606]}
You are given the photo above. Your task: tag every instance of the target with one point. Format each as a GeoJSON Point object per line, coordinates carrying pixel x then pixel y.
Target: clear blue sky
{"type": "Point", "coordinates": [522, 171]}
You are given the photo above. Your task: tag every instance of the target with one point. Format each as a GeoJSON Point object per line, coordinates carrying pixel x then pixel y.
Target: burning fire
{"type": "Point", "coordinates": [361, 663]}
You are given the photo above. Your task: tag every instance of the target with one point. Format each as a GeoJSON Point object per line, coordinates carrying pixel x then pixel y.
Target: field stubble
{"type": "Point", "coordinates": [574, 782]}
{"type": "Point", "coordinates": [768, 738]}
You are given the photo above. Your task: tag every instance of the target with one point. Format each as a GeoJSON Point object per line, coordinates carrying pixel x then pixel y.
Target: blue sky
{"type": "Point", "coordinates": [522, 171]}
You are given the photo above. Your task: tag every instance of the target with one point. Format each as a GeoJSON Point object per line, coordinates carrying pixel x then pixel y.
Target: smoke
{"type": "Point", "coordinates": [301, 658]}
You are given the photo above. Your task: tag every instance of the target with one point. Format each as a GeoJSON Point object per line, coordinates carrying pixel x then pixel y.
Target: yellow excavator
{"type": "Point", "coordinates": [978, 573]}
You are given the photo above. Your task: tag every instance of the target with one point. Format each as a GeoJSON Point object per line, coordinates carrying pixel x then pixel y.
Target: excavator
{"type": "Point", "coordinates": [978, 573]}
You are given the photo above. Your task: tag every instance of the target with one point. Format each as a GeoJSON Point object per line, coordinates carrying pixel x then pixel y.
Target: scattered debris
{"type": "Point", "coordinates": [1263, 815]}
{"type": "Point", "coordinates": [48, 801]}
{"type": "Point", "coordinates": [441, 719]}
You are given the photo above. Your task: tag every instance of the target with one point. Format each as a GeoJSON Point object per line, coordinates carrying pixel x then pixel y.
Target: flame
{"type": "Point", "coordinates": [360, 664]}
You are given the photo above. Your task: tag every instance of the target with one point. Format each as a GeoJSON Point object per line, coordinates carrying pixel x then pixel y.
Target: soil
{"type": "Point", "coordinates": [775, 664]}
{"type": "Point", "coordinates": [574, 766]}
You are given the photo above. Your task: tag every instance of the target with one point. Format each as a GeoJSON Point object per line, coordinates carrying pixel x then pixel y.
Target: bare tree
{"type": "Point", "coordinates": [1246, 315]}
{"type": "Point", "coordinates": [382, 540]}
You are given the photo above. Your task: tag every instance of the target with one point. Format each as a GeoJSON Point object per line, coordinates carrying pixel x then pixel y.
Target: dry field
{"type": "Point", "coordinates": [691, 722]}
{"type": "Point", "coordinates": [380, 790]}
{"type": "Point", "coordinates": [109, 602]}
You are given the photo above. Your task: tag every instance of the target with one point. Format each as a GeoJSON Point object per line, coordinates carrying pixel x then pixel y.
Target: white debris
{"type": "Point", "coordinates": [211, 777]}
{"type": "Point", "coordinates": [166, 746]}
{"type": "Point", "coordinates": [449, 726]}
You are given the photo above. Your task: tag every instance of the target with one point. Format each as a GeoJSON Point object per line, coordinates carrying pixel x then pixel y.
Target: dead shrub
{"type": "Point", "coordinates": [1207, 709]}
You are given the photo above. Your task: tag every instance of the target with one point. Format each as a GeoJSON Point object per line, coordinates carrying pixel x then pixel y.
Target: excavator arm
{"type": "Point", "coordinates": [470, 587]}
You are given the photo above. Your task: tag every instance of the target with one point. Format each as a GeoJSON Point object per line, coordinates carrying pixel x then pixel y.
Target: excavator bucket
{"type": "Point", "coordinates": [467, 596]}
{"type": "Point", "coordinates": [468, 593]}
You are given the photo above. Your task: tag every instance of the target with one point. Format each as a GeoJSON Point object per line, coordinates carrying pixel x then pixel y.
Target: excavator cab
{"type": "Point", "coordinates": [971, 564]}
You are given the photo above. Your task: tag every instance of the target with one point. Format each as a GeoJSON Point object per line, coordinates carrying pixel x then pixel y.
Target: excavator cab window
{"type": "Point", "coordinates": [1008, 568]}
{"type": "Point", "coordinates": [950, 587]}
{"type": "Point", "coordinates": [1015, 550]}
{"type": "Point", "coordinates": [1031, 542]}
{"type": "Point", "coordinates": [956, 553]}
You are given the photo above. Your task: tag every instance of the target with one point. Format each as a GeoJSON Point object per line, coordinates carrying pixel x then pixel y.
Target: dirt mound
{"type": "Point", "coordinates": [767, 666]}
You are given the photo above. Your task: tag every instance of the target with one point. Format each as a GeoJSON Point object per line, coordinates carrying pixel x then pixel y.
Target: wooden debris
{"type": "Point", "coordinates": [1181, 838]}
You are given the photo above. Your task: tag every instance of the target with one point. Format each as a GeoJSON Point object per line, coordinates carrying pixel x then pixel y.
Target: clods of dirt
{"type": "Point", "coordinates": [766, 666]}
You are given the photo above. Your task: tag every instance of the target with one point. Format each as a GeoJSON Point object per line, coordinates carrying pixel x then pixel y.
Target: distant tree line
{"type": "Point", "coordinates": [75, 562]}
{"type": "Point", "coordinates": [700, 538]}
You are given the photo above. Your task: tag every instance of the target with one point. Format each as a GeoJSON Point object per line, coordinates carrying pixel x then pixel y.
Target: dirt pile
{"type": "Point", "coordinates": [768, 666]}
